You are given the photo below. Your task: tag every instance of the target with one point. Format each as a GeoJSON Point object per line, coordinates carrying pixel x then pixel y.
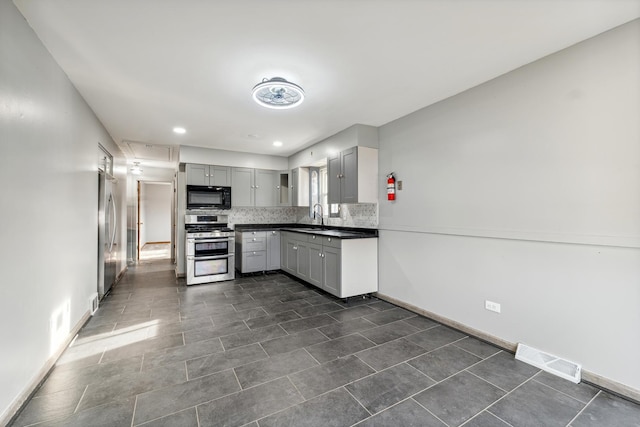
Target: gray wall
{"type": "Point", "coordinates": [48, 214]}
{"type": "Point", "coordinates": [526, 191]}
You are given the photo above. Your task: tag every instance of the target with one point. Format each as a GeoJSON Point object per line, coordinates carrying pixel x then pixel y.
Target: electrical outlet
{"type": "Point", "coordinates": [492, 306]}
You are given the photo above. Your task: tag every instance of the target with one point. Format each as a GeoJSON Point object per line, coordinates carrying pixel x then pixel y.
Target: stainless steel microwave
{"type": "Point", "coordinates": [205, 197]}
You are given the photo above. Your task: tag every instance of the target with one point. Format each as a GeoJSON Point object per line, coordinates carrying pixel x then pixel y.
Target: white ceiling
{"type": "Point", "coordinates": [145, 66]}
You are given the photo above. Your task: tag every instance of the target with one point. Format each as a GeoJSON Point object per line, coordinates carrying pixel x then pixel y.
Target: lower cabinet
{"type": "Point", "coordinates": [342, 267]}
{"type": "Point", "coordinates": [257, 251]}
{"type": "Point", "coordinates": [273, 250]}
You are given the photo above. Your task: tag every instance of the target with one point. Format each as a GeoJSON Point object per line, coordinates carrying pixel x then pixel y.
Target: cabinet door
{"type": "Point", "coordinates": [315, 264]}
{"type": "Point", "coordinates": [349, 180]}
{"type": "Point", "coordinates": [197, 174]}
{"type": "Point", "coordinates": [294, 186]}
{"type": "Point", "coordinates": [273, 250]}
{"type": "Point", "coordinates": [254, 261]}
{"type": "Point", "coordinates": [300, 187]}
{"type": "Point", "coordinates": [334, 172]}
{"type": "Point", "coordinates": [332, 270]}
{"type": "Point", "coordinates": [291, 256]}
{"type": "Point", "coordinates": [220, 175]}
{"type": "Point", "coordinates": [265, 187]}
{"type": "Point", "coordinates": [242, 187]}
{"type": "Point", "coordinates": [302, 270]}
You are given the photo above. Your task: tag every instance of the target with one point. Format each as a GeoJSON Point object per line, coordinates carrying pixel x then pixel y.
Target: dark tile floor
{"type": "Point", "coordinates": [269, 351]}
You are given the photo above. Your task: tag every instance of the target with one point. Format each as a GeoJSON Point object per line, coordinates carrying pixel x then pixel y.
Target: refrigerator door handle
{"type": "Point", "coordinates": [115, 222]}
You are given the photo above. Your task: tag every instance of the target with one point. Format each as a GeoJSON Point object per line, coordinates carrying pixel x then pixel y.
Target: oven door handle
{"type": "Point", "coordinates": [209, 258]}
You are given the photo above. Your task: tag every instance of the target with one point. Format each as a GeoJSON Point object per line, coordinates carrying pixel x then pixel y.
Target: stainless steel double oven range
{"type": "Point", "coordinates": [210, 249]}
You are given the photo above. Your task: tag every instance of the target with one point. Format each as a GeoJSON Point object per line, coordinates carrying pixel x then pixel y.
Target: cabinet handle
{"type": "Point", "coordinates": [295, 248]}
{"type": "Point", "coordinates": [328, 239]}
{"type": "Point", "coordinates": [254, 253]}
{"type": "Point", "coordinates": [319, 254]}
{"type": "Point", "coordinates": [254, 239]}
{"type": "Point", "coordinates": [278, 187]}
{"type": "Point", "coordinates": [313, 237]}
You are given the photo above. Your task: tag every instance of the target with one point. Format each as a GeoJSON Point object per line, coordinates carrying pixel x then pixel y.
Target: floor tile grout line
{"type": "Point", "coordinates": [80, 401]}
{"type": "Point", "coordinates": [498, 350]}
{"type": "Point", "coordinates": [559, 391]}
{"type": "Point", "coordinates": [507, 393]}
{"type": "Point", "coordinates": [135, 406]}
{"type": "Point", "coordinates": [356, 399]}
{"type": "Point", "coordinates": [427, 409]}
{"type": "Point", "coordinates": [584, 408]}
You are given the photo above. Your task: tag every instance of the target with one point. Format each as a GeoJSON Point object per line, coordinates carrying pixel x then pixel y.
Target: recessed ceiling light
{"type": "Point", "coordinates": [277, 143]}
{"type": "Point", "coordinates": [179, 130]}
{"type": "Point", "coordinates": [278, 93]}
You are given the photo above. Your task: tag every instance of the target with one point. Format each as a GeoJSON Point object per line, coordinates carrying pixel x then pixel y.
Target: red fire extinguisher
{"type": "Point", "coordinates": [391, 187]}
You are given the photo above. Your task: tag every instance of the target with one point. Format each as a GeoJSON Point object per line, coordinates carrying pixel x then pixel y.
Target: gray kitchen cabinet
{"type": "Point", "coordinates": [273, 250]}
{"type": "Point", "coordinates": [251, 251]}
{"type": "Point", "coordinates": [302, 259]}
{"type": "Point", "coordinates": [242, 187]}
{"type": "Point", "coordinates": [353, 176]}
{"type": "Point", "coordinates": [342, 267]}
{"type": "Point", "coordinates": [316, 266]}
{"type": "Point", "coordinates": [208, 175]}
{"type": "Point", "coordinates": [300, 187]}
{"type": "Point", "coordinates": [265, 187]}
{"type": "Point", "coordinates": [257, 251]}
{"type": "Point", "coordinates": [253, 187]}
{"type": "Point", "coordinates": [289, 261]}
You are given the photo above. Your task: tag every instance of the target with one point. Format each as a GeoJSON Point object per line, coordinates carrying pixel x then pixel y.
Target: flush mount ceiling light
{"type": "Point", "coordinates": [278, 93]}
{"type": "Point", "coordinates": [179, 130]}
{"type": "Point", "coordinates": [135, 170]}
{"type": "Point", "coordinates": [277, 143]}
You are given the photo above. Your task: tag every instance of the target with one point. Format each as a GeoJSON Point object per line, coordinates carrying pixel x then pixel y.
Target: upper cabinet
{"type": "Point", "coordinates": [253, 187]}
{"type": "Point", "coordinates": [208, 175]}
{"type": "Point", "coordinates": [299, 187]}
{"type": "Point", "coordinates": [283, 189]}
{"type": "Point", "coordinates": [353, 176]}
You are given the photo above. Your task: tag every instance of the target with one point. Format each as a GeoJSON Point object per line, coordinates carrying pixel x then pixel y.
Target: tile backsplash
{"type": "Point", "coordinates": [364, 215]}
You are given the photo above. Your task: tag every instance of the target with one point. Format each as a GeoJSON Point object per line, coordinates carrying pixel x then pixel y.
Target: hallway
{"type": "Point", "coordinates": [269, 351]}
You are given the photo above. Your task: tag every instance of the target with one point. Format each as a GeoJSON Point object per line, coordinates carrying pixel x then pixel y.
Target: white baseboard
{"type": "Point", "coordinates": [589, 377]}
{"type": "Point", "coordinates": [23, 397]}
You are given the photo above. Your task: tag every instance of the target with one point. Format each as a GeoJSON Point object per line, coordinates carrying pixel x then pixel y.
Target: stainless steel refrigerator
{"type": "Point", "coordinates": [107, 228]}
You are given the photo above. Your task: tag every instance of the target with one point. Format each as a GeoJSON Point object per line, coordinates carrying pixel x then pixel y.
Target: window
{"type": "Point", "coordinates": [318, 191]}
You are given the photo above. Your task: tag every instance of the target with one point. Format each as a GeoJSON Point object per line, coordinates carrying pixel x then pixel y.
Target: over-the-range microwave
{"type": "Point", "coordinates": [205, 197]}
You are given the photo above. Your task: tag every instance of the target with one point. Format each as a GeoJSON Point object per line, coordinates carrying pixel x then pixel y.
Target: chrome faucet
{"type": "Point", "coordinates": [321, 214]}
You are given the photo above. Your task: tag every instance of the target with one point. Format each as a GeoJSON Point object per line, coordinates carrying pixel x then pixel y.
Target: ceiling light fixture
{"type": "Point", "coordinates": [179, 130]}
{"type": "Point", "coordinates": [277, 143]}
{"type": "Point", "coordinates": [278, 93]}
{"type": "Point", "coordinates": [135, 170]}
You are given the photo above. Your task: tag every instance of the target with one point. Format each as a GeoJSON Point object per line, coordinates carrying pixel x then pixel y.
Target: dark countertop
{"type": "Point", "coordinates": [331, 231]}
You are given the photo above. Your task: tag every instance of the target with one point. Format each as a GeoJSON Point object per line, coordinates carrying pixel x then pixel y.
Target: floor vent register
{"type": "Point", "coordinates": [553, 364]}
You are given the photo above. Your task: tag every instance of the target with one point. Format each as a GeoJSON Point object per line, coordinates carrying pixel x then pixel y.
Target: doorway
{"type": "Point", "coordinates": [154, 220]}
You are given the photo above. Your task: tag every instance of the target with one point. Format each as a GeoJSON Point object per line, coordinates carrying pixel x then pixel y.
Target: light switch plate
{"type": "Point", "coordinates": [399, 185]}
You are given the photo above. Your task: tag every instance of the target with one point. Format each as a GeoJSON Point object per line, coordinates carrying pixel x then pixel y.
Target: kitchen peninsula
{"type": "Point", "coordinates": [341, 261]}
